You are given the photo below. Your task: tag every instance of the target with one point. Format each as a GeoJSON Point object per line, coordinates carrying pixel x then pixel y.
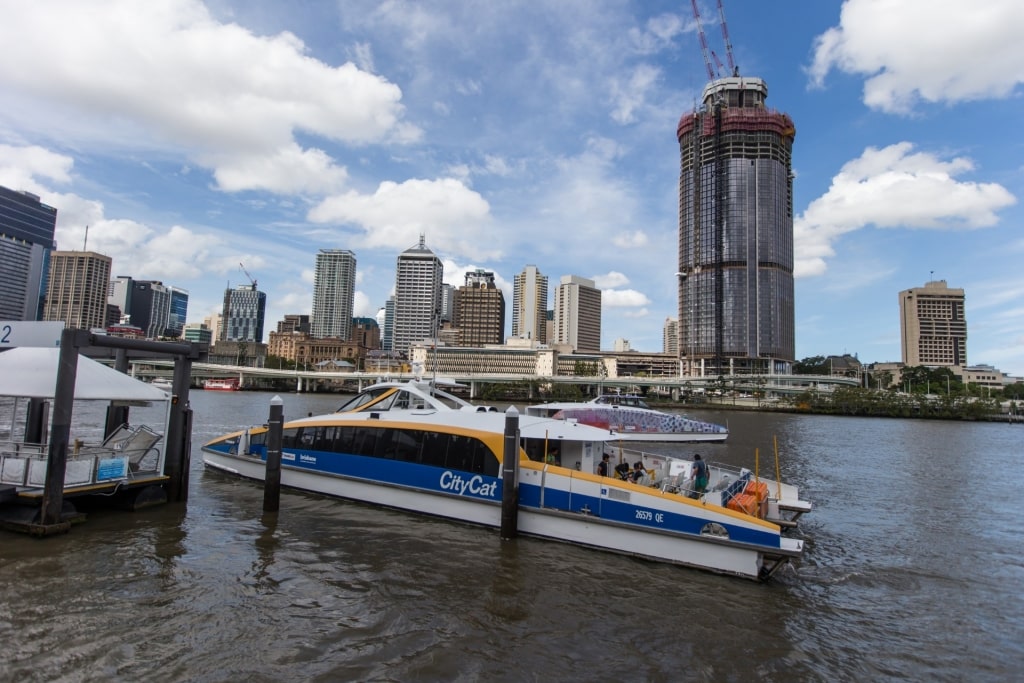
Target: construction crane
{"type": "Point", "coordinates": [703, 41]}
{"type": "Point", "coordinates": [251, 278]}
{"type": "Point", "coordinates": [733, 71]}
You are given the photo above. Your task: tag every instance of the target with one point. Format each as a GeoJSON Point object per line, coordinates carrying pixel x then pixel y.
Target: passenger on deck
{"type": "Point", "coordinates": [700, 476]}
{"type": "Point", "coordinates": [622, 469]}
{"type": "Point", "coordinates": [553, 458]}
{"type": "Point", "coordinates": [638, 472]}
{"type": "Point", "coordinates": [602, 467]}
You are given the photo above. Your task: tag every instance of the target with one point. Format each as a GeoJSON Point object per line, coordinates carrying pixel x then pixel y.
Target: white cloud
{"type": "Point", "coordinates": [167, 74]}
{"type": "Point", "coordinates": [610, 280]}
{"type": "Point", "coordinates": [454, 218]}
{"type": "Point", "coordinates": [630, 95]}
{"type": "Point", "coordinates": [630, 240]}
{"type": "Point", "coordinates": [893, 187]}
{"type": "Point", "coordinates": [930, 50]}
{"type": "Point", "coordinates": [20, 166]}
{"type": "Point", "coordinates": [623, 298]}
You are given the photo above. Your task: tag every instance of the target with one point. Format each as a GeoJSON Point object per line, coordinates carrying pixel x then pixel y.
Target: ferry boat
{"type": "Point", "coordinates": [632, 419]}
{"type": "Point", "coordinates": [416, 447]}
{"type": "Point", "coordinates": [224, 384]}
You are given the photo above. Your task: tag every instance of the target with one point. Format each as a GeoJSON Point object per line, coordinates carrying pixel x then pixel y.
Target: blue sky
{"type": "Point", "coordinates": [191, 137]}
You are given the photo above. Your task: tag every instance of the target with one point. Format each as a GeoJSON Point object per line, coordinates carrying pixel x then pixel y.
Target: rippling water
{"type": "Point", "coordinates": [913, 571]}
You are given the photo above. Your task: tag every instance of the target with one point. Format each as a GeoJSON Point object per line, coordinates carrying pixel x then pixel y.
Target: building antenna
{"type": "Point", "coordinates": [85, 242]}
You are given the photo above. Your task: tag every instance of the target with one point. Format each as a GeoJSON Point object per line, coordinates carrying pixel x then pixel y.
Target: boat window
{"type": "Point", "coordinates": [290, 437]}
{"type": "Point", "coordinates": [368, 396]}
{"type": "Point", "coordinates": [258, 438]}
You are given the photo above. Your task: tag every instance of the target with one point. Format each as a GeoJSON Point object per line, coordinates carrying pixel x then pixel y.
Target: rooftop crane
{"type": "Point", "coordinates": [251, 278]}
{"type": "Point", "coordinates": [703, 41]}
{"type": "Point", "coordinates": [733, 71]}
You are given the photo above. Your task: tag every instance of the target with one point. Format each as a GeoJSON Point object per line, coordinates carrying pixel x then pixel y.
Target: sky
{"type": "Point", "coordinates": [197, 138]}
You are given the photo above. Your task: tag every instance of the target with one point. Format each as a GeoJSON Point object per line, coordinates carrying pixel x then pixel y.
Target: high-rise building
{"type": "Point", "coordinates": [933, 330]}
{"type": "Point", "coordinates": [334, 283]}
{"type": "Point", "coordinates": [417, 297]}
{"type": "Point", "coordinates": [670, 336]}
{"type": "Point", "coordinates": [244, 310]}
{"type": "Point", "coordinates": [530, 305]}
{"type": "Point", "coordinates": [26, 239]}
{"type": "Point", "coordinates": [177, 311]}
{"type": "Point", "coordinates": [76, 290]}
{"type": "Point", "coordinates": [386, 318]}
{"type": "Point", "coordinates": [294, 322]}
{"type": "Point", "coordinates": [480, 310]}
{"type": "Point", "coordinates": [577, 314]}
{"type": "Point", "coordinates": [150, 306]}
{"type": "Point", "coordinates": [366, 333]}
{"type": "Point", "coordinates": [197, 332]}
{"type": "Point", "coordinates": [119, 294]}
{"type": "Point", "coordinates": [735, 233]}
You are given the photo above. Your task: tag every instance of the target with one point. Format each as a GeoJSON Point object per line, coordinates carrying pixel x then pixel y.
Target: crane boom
{"type": "Point", "coordinates": [725, 37]}
{"type": "Point", "coordinates": [703, 41]}
{"type": "Point", "coordinates": [252, 280]}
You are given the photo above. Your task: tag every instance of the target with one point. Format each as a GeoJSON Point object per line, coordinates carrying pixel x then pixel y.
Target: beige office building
{"type": "Point", "coordinates": [577, 314]}
{"type": "Point", "coordinates": [933, 330]}
{"type": "Point", "coordinates": [530, 305]}
{"type": "Point", "coordinates": [76, 291]}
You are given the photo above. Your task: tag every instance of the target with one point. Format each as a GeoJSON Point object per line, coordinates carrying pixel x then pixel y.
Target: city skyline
{"type": "Point", "coordinates": [202, 136]}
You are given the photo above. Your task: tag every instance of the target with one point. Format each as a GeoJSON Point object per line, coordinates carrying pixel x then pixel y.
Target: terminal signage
{"type": "Point", "coordinates": [30, 333]}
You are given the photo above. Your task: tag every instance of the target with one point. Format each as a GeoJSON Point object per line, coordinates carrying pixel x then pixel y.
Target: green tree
{"type": "Point", "coordinates": [812, 365]}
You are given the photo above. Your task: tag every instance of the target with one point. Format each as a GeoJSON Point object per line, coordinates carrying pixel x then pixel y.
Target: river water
{"type": "Point", "coordinates": [913, 571]}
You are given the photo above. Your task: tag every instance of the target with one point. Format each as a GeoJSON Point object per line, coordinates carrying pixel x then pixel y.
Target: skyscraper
{"type": "Point", "coordinates": [177, 312]}
{"type": "Point", "coordinates": [670, 336]}
{"type": "Point", "coordinates": [480, 310]}
{"type": "Point", "coordinates": [334, 282]}
{"type": "Point", "coordinates": [736, 233]}
{"type": "Point", "coordinates": [76, 290]}
{"type": "Point", "coordinates": [577, 314]}
{"type": "Point", "coordinates": [417, 297]}
{"type": "Point", "coordinates": [530, 305]}
{"type": "Point", "coordinates": [245, 308]}
{"type": "Point", "coordinates": [933, 329]}
{"type": "Point", "coordinates": [26, 239]}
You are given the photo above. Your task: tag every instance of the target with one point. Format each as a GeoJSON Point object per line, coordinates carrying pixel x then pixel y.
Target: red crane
{"type": "Point", "coordinates": [725, 36]}
{"type": "Point", "coordinates": [703, 42]}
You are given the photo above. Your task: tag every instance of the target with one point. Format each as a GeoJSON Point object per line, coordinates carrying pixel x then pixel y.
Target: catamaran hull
{"type": "Point", "coordinates": [705, 552]}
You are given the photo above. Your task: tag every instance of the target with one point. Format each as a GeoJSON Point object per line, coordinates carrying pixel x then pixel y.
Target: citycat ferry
{"type": "Point", "coordinates": [415, 447]}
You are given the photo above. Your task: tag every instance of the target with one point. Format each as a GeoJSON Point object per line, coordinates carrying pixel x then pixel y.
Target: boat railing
{"type": "Point", "coordinates": [128, 452]}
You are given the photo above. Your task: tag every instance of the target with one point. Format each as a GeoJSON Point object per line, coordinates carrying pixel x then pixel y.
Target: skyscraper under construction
{"type": "Point", "coordinates": [735, 233]}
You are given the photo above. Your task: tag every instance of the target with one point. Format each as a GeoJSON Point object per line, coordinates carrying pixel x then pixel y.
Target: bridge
{"type": "Point", "coordinates": [308, 380]}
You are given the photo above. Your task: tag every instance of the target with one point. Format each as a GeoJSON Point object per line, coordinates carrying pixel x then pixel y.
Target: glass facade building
{"type": "Point", "coordinates": [736, 312]}
{"type": "Point", "coordinates": [26, 240]}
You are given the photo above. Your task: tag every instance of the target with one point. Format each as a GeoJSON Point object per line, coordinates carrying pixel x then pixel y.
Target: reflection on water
{"type": "Point", "coordinates": [912, 571]}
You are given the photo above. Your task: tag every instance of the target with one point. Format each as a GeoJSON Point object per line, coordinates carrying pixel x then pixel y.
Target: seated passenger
{"type": "Point", "coordinates": [622, 470]}
{"type": "Point", "coordinates": [638, 472]}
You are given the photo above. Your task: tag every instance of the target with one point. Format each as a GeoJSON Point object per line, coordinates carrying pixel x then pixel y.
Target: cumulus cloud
{"type": "Point", "coordinates": [610, 280]}
{"type": "Point", "coordinates": [166, 73]}
{"type": "Point", "coordinates": [925, 50]}
{"type": "Point", "coordinates": [894, 187]}
{"type": "Point", "coordinates": [623, 298]}
{"type": "Point", "coordinates": [21, 166]}
{"type": "Point", "coordinates": [450, 215]}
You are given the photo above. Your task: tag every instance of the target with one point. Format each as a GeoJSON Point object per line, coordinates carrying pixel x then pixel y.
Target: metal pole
{"type": "Point", "coordinates": [272, 479]}
{"type": "Point", "coordinates": [60, 432]}
{"type": "Point", "coordinates": [510, 476]}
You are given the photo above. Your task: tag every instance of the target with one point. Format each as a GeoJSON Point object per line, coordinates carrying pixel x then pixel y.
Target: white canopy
{"type": "Point", "coordinates": [27, 372]}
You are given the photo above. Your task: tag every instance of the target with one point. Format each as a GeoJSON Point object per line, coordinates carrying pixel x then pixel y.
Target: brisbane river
{"type": "Point", "coordinates": [913, 570]}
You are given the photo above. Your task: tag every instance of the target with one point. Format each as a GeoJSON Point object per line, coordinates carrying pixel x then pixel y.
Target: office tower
{"type": "Point", "coordinates": [417, 297]}
{"type": "Point", "coordinates": [213, 322]}
{"type": "Point", "coordinates": [26, 239]}
{"type": "Point", "coordinates": [294, 322]}
{"type": "Point", "coordinates": [119, 294]}
{"type": "Point", "coordinates": [933, 330]}
{"type": "Point", "coordinates": [366, 333]}
{"type": "Point", "coordinates": [530, 305]}
{"type": "Point", "coordinates": [149, 307]}
{"type": "Point", "coordinates": [447, 303]}
{"type": "Point", "coordinates": [480, 310]}
{"type": "Point", "coordinates": [334, 283]}
{"type": "Point", "coordinates": [76, 290]}
{"type": "Point", "coordinates": [735, 233]}
{"type": "Point", "coordinates": [197, 332]}
{"type": "Point", "coordinates": [243, 313]}
{"type": "Point", "coordinates": [577, 314]}
{"type": "Point", "coordinates": [177, 311]}
{"type": "Point", "coordinates": [670, 336]}
{"type": "Point", "coordinates": [386, 316]}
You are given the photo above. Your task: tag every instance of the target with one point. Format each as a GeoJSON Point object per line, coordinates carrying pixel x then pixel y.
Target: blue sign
{"type": "Point", "coordinates": [109, 469]}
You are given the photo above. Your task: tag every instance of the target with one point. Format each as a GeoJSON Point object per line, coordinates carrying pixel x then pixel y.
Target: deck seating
{"type": "Point", "coordinates": [136, 443]}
